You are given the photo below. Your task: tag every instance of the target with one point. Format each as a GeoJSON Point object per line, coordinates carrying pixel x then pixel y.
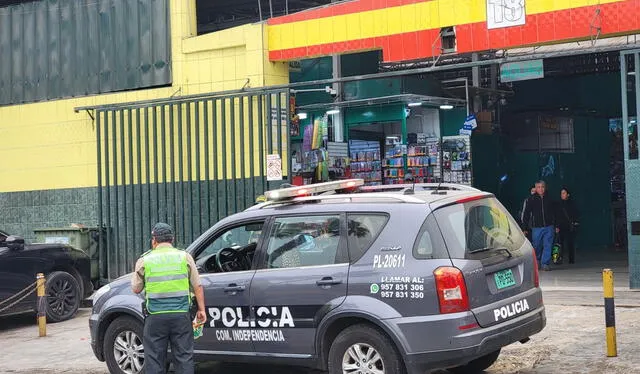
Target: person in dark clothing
{"type": "Point", "coordinates": [525, 225]}
{"type": "Point", "coordinates": [567, 222]}
{"type": "Point", "coordinates": [539, 212]}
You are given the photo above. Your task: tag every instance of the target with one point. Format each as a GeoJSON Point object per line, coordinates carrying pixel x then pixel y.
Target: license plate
{"type": "Point", "coordinates": [504, 279]}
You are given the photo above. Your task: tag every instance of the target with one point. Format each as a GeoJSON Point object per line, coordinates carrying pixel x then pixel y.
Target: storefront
{"type": "Point", "coordinates": [570, 118]}
{"type": "Point", "coordinates": [384, 140]}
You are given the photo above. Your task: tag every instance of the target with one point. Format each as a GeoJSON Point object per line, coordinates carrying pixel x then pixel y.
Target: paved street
{"type": "Point", "coordinates": [573, 340]}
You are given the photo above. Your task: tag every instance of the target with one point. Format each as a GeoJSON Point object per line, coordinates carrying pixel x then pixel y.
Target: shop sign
{"type": "Point", "coordinates": [521, 71]}
{"type": "Point", "coordinates": [470, 124]}
{"type": "Point", "coordinates": [505, 13]}
{"type": "Point", "coordinates": [274, 167]}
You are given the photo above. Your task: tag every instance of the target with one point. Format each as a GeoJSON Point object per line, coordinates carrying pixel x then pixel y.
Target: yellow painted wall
{"type": "Point", "coordinates": [49, 146]}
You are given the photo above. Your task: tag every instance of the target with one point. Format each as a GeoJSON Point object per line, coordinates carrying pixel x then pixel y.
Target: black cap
{"type": "Point", "coordinates": [162, 231]}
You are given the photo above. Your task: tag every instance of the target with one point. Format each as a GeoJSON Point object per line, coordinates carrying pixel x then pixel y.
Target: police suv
{"type": "Point", "coordinates": [340, 278]}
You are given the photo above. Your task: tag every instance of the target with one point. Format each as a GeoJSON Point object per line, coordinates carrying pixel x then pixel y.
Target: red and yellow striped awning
{"type": "Point", "coordinates": [409, 29]}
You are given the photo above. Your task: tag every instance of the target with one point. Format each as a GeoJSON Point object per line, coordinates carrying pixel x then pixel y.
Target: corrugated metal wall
{"type": "Point", "coordinates": [66, 48]}
{"type": "Point", "coordinates": [187, 162]}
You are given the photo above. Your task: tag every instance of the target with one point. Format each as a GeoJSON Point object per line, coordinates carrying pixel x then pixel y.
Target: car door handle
{"type": "Point", "coordinates": [328, 281]}
{"type": "Point", "coordinates": [234, 288]}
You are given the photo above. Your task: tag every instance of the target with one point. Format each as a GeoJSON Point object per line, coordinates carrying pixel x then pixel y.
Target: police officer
{"type": "Point", "coordinates": [168, 275]}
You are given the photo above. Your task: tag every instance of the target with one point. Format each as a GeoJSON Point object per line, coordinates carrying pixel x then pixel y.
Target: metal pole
{"type": "Point", "coordinates": [636, 65]}
{"type": "Point", "coordinates": [42, 305]}
{"type": "Point", "coordinates": [132, 183]}
{"type": "Point", "coordinates": [634, 258]}
{"type": "Point", "coordinates": [214, 157]}
{"type": "Point", "coordinates": [223, 137]}
{"type": "Point", "coordinates": [610, 313]}
{"type": "Point", "coordinates": [405, 142]}
{"type": "Point", "coordinates": [260, 9]}
{"type": "Point", "coordinates": [466, 90]}
{"type": "Point", "coordinates": [207, 175]}
{"type": "Point", "coordinates": [625, 108]}
{"type": "Point", "coordinates": [107, 190]}
{"type": "Point", "coordinates": [101, 249]}
{"type": "Point", "coordinates": [271, 8]}
{"type": "Point", "coordinates": [116, 211]}
{"type": "Point", "coordinates": [123, 176]}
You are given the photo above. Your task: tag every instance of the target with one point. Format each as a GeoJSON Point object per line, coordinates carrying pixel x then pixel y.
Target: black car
{"type": "Point", "coordinates": [66, 269]}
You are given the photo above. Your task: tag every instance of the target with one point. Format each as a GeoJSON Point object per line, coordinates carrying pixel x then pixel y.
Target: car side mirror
{"type": "Point", "coordinates": [14, 243]}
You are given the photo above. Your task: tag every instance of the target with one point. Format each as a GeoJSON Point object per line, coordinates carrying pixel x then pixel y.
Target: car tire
{"type": "Point", "coordinates": [63, 296]}
{"type": "Point", "coordinates": [358, 341]}
{"type": "Point", "coordinates": [127, 331]}
{"type": "Point", "coordinates": [478, 365]}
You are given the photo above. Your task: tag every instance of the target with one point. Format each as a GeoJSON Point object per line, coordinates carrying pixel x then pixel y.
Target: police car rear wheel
{"type": "Point", "coordinates": [362, 349]}
{"type": "Point", "coordinates": [478, 365]}
{"type": "Point", "coordinates": [123, 348]}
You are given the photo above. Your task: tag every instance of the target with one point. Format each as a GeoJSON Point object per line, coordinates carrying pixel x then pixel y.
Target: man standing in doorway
{"type": "Point", "coordinates": [526, 225]}
{"type": "Point", "coordinates": [168, 275]}
{"type": "Point", "coordinates": [539, 212]}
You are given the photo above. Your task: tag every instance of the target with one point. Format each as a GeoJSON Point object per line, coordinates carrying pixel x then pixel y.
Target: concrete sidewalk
{"type": "Point", "coordinates": [581, 283]}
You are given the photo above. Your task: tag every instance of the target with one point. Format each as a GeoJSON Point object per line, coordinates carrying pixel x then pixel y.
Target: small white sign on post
{"type": "Point", "coordinates": [274, 167]}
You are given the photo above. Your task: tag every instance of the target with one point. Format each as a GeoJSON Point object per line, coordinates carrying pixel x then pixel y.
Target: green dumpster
{"type": "Point", "coordinates": [83, 238]}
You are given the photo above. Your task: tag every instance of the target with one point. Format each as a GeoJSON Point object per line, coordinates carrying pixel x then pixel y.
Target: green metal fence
{"type": "Point", "coordinates": [186, 162]}
{"type": "Point", "coordinates": [73, 48]}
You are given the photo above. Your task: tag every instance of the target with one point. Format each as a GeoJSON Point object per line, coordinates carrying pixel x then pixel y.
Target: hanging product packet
{"type": "Point", "coordinates": [198, 328]}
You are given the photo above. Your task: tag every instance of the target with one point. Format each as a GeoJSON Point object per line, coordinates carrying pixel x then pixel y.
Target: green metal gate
{"type": "Point", "coordinates": [187, 162]}
{"type": "Point", "coordinates": [629, 70]}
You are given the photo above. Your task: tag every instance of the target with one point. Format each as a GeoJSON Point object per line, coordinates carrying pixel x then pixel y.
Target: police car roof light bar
{"type": "Point", "coordinates": [292, 192]}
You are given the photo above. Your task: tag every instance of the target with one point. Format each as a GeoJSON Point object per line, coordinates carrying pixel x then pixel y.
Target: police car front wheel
{"type": "Point", "coordinates": [362, 349]}
{"type": "Point", "coordinates": [123, 348]}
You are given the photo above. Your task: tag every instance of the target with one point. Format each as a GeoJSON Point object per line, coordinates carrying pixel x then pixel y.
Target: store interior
{"type": "Point", "coordinates": [400, 143]}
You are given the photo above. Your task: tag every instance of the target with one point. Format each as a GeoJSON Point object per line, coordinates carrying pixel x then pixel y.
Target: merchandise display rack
{"type": "Point", "coordinates": [365, 162]}
{"type": "Point", "coordinates": [456, 160]}
{"type": "Point", "coordinates": [423, 162]}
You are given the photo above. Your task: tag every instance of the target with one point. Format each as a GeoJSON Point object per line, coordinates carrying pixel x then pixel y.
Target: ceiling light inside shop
{"type": "Point", "coordinates": [417, 103]}
{"type": "Point", "coordinates": [302, 115]}
{"type": "Point", "coordinates": [446, 106]}
{"type": "Point", "coordinates": [333, 111]}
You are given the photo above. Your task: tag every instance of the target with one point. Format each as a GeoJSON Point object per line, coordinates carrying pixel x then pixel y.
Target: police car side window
{"type": "Point", "coordinates": [304, 241]}
{"type": "Point", "coordinates": [363, 229]}
{"type": "Point", "coordinates": [429, 243]}
{"type": "Point", "coordinates": [238, 236]}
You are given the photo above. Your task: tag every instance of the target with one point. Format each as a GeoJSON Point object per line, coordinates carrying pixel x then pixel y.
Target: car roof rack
{"type": "Point", "coordinates": [418, 186]}
{"type": "Point", "coordinates": [369, 198]}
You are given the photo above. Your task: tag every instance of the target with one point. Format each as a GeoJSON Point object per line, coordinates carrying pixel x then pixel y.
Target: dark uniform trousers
{"type": "Point", "coordinates": [159, 331]}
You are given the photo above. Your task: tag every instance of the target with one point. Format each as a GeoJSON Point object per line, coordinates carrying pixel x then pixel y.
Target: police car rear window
{"type": "Point", "coordinates": [476, 229]}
